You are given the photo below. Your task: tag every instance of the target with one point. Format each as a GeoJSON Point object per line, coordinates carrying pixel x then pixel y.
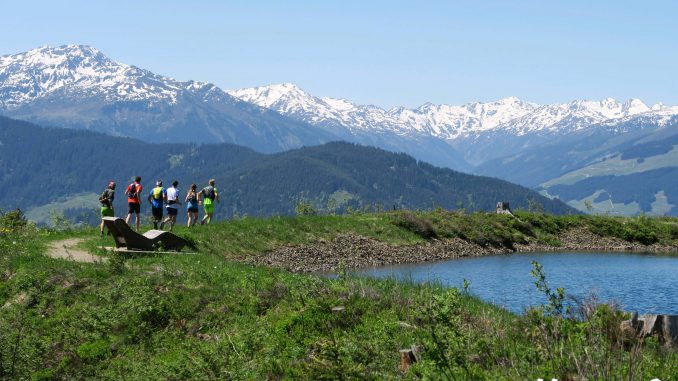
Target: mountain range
{"type": "Point", "coordinates": [77, 86]}
{"type": "Point", "coordinates": [475, 129]}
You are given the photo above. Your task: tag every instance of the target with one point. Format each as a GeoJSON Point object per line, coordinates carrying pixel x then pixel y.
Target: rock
{"type": "Point", "coordinates": [338, 309]}
{"type": "Point", "coordinates": [354, 251]}
{"type": "Point", "coordinates": [503, 208]}
{"type": "Point", "coordinates": [407, 358]}
{"type": "Point", "coordinates": [19, 299]}
{"type": "Point", "coordinates": [664, 327]}
{"type": "Point", "coordinates": [406, 325]}
{"type": "Point", "coordinates": [350, 251]}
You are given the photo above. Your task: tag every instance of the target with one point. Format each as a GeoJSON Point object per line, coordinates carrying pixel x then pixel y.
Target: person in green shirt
{"type": "Point", "coordinates": [207, 196]}
{"type": "Point", "coordinates": [106, 200]}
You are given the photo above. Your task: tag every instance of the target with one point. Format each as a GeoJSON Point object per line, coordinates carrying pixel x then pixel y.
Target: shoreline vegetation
{"type": "Point", "coordinates": [331, 243]}
{"type": "Point", "coordinates": [221, 314]}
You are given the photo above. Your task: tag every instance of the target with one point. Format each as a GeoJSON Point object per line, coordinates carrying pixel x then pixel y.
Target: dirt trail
{"type": "Point", "coordinates": [66, 249]}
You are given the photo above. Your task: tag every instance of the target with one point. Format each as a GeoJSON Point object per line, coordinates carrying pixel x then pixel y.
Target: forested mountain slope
{"type": "Point", "coordinates": [39, 166]}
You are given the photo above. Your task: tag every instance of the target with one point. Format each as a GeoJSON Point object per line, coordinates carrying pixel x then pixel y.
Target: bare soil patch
{"type": "Point", "coordinates": [67, 249]}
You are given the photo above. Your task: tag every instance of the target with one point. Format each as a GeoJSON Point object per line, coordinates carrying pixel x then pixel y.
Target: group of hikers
{"type": "Point", "coordinates": [161, 199]}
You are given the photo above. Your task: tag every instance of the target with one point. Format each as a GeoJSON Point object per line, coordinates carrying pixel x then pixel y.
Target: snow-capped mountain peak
{"type": "Point", "coordinates": [609, 108]}
{"type": "Point", "coordinates": [510, 114]}
{"type": "Point", "coordinates": [443, 121]}
{"type": "Point", "coordinates": [273, 95]}
{"type": "Point", "coordinates": [80, 70]}
{"type": "Point", "coordinates": [635, 106]}
{"type": "Point", "coordinates": [77, 86]}
{"type": "Point", "coordinates": [45, 56]}
{"type": "Point", "coordinates": [289, 99]}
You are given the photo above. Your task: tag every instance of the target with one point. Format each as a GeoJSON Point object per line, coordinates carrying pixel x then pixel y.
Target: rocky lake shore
{"type": "Point", "coordinates": [351, 251]}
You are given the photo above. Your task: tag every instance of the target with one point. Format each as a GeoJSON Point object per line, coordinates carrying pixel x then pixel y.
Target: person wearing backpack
{"type": "Point", "coordinates": [207, 196]}
{"type": "Point", "coordinates": [156, 198]}
{"type": "Point", "coordinates": [133, 193]}
{"type": "Point", "coordinates": [172, 201]}
{"type": "Point", "coordinates": [106, 200]}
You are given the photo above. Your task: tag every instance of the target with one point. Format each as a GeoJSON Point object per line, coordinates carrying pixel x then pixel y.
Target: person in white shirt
{"type": "Point", "coordinates": [172, 203]}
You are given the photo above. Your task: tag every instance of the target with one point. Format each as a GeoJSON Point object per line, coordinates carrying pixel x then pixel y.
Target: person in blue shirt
{"type": "Point", "coordinates": [192, 205]}
{"type": "Point", "coordinates": [156, 197]}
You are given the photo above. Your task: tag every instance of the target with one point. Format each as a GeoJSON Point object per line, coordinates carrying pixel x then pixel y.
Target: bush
{"type": "Point", "coordinates": [94, 351]}
{"type": "Point", "coordinates": [672, 230]}
{"type": "Point", "coordinates": [444, 338]}
{"type": "Point", "coordinates": [640, 229]}
{"type": "Point", "coordinates": [116, 263]}
{"type": "Point", "coordinates": [13, 221]}
{"type": "Point", "coordinates": [305, 208]}
{"type": "Point", "coordinates": [416, 225]}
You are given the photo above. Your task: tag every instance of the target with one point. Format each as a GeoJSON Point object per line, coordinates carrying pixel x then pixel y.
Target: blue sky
{"type": "Point", "coordinates": [380, 52]}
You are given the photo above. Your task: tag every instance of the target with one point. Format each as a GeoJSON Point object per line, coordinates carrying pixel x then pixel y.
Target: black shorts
{"type": "Point", "coordinates": [133, 207]}
{"type": "Point", "coordinates": [172, 211]}
{"type": "Point", "coordinates": [192, 210]}
{"type": "Point", "coordinates": [157, 212]}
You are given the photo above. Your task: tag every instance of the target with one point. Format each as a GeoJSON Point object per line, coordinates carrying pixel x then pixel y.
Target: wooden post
{"type": "Point", "coordinates": [406, 359]}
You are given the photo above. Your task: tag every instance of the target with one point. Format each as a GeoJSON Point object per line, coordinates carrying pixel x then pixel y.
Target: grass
{"type": "Point", "coordinates": [255, 235]}
{"type": "Point", "coordinates": [207, 317]}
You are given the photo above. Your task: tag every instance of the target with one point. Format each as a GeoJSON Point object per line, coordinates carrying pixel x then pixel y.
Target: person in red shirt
{"type": "Point", "coordinates": [133, 193]}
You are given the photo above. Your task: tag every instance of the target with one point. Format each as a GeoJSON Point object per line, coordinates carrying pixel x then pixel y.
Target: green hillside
{"type": "Point", "coordinates": [626, 180]}
{"type": "Point", "coordinates": [205, 316]}
{"type": "Point", "coordinates": [40, 166]}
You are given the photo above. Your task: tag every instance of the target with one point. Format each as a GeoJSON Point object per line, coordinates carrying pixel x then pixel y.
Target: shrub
{"type": "Point", "coordinates": [640, 230]}
{"type": "Point", "coordinates": [13, 221]}
{"type": "Point", "coordinates": [95, 350]}
{"type": "Point", "coordinates": [556, 298]}
{"type": "Point", "coordinates": [116, 263]}
{"type": "Point", "coordinates": [416, 225]}
{"type": "Point", "coordinates": [672, 230]}
{"type": "Point", "coordinates": [443, 337]}
{"type": "Point", "coordinates": [305, 208]}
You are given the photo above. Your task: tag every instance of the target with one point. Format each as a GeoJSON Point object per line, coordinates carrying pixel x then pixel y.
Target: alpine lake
{"type": "Point", "coordinates": [642, 282]}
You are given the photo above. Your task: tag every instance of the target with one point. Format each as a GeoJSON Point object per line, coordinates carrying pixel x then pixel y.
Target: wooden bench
{"type": "Point", "coordinates": [127, 239]}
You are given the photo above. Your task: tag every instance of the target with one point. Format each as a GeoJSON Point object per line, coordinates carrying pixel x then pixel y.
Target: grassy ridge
{"type": "Point", "coordinates": [249, 236]}
{"type": "Point", "coordinates": [206, 317]}
{"type": "Point", "coordinates": [255, 235]}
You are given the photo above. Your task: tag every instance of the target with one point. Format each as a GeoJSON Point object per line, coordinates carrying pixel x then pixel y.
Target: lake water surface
{"type": "Point", "coordinates": [647, 283]}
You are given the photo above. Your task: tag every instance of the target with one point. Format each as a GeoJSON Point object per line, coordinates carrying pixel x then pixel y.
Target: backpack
{"type": "Point", "coordinates": [132, 192]}
{"type": "Point", "coordinates": [208, 192]}
{"type": "Point", "coordinates": [157, 193]}
{"type": "Point", "coordinates": [104, 199]}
